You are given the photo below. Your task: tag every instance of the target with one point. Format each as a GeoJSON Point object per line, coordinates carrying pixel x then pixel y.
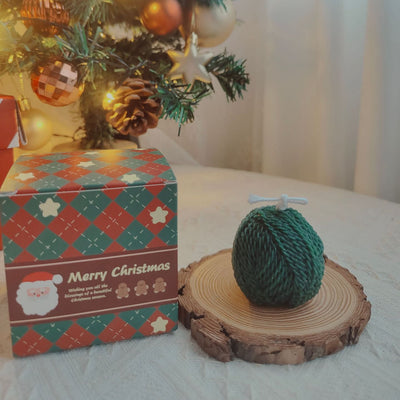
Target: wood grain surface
{"type": "Point", "coordinates": [226, 325]}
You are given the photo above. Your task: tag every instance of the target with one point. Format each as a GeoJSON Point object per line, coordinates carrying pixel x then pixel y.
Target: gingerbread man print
{"type": "Point", "coordinates": [123, 291]}
{"type": "Point", "coordinates": [159, 285]}
{"type": "Point", "coordinates": [141, 288]}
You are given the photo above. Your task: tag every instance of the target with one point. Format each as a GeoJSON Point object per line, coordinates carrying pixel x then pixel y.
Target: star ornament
{"type": "Point", "coordinates": [190, 65]}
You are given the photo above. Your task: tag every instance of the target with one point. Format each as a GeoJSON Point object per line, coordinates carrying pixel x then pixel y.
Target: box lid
{"type": "Point", "coordinates": [85, 170]}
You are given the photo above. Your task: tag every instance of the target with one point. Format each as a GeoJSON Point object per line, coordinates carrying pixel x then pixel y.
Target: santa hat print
{"type": "Point", "coordinates": [43, 276]}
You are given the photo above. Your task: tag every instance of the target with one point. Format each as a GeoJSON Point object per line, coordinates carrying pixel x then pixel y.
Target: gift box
{"type": "Point", "coordinates": [90, 248]}
{"type": "Point", "coordinates": [11, 133]}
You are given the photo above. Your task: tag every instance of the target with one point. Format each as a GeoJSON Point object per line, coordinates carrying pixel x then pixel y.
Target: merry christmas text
{"type": "Point", "coordinates": [123, 270]}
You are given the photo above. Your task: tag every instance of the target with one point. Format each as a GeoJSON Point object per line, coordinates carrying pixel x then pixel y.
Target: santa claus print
{"type": "Point", "coordinates": [37, 293]}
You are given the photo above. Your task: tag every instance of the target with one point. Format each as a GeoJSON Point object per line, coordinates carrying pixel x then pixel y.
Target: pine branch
{"type": "Point", "coordinates": [86, 53]}
{"type": "Point", "coordinates": [98, 132]}
{"type": "Point", "coordinates": [7, 6]}
{"type": "Point", "coordinates": [101, 55]}
{"type": "Point", "coordinates": [20, 53]}
{"type": "Point", "coordinates": [179, 100]}
{"type": "Point", "coordinates": [107, 11]}
{"type": "Point", "coordinates": [150, 48]}
{"type": "Point", "coordinates": [88, 10]}
{"type": "Point", "coordinates": [231, 74]}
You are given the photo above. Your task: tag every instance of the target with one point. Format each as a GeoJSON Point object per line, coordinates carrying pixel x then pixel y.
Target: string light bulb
{"type": "Point", "coordinates": [108, 99]}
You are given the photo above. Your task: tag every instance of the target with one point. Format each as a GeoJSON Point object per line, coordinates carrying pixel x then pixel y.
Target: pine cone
{"type": "Point", "coordinates": [132, 111]}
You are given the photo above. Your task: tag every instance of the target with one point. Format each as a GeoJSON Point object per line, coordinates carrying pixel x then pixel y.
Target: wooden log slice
{"type": "Point", "coordinates": [225, 324]}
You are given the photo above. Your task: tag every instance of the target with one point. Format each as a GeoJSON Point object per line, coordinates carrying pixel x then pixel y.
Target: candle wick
{"type": "Point", "coordinates": [282, 202]}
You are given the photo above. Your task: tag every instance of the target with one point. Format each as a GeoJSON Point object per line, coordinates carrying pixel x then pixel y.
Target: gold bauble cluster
{"type": "Point", "coordinates": [212, 24]}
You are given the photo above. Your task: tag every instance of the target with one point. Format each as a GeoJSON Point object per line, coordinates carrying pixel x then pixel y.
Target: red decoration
{"type": "Point", "coordinates": [10, 135]}
{"type": "Point", "coordinates": [161, 16]}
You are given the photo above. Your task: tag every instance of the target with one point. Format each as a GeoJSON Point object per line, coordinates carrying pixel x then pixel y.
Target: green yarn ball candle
{"type": "Point", "coordinates": [277, 257]}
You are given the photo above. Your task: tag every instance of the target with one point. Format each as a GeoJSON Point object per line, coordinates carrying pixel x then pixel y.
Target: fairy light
{"type": "Point", "coordinates": [109, 97]}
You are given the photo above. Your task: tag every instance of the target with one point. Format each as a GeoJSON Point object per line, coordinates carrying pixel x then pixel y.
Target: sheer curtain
{"type": "Point", "coordinates": [324, 99]}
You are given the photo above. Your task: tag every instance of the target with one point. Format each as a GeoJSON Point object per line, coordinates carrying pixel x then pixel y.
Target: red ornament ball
{"type": "Point", "coordinates": [161, 16]}
{"type": "Point", "coordinates": [56, 83]}
{"type": "Point", "coordinates": [47, 16]}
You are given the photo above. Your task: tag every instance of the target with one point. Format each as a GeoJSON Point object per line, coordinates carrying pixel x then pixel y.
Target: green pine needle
{"type": "Point", "coordinates": [231, 74]}
{"type": "Point", "coordinates": [179, 100]}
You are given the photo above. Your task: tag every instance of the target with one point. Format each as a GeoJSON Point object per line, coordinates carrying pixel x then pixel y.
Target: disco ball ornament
{"type": "Point", "coordinates": [48, 17]}
{"type": "Point", "coordinates": [57, 83]}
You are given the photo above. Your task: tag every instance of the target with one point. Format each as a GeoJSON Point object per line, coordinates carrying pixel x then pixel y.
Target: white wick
{"type": "Point", "coordinates": [283, 201]}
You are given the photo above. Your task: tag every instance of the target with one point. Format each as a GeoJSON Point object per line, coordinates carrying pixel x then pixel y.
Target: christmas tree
{"type": "Point", "coordinates": [70, 51]}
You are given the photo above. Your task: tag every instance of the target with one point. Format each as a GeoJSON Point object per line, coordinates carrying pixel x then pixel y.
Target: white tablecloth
{"type": "Point", "coordinates": [359, 232]}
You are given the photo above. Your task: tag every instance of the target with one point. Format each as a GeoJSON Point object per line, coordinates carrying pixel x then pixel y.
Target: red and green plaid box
{"type": "Point", "coordinates": [90, 248]}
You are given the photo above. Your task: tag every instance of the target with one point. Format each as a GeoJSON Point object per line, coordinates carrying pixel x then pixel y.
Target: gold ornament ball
{"type": "Point", "coordinates": [214, 24]}
{"type": "Point", "coordinates": [46, 16]}
{"type": "Point", "coordinates": [37, 127]}
{"type": "Point", "coordinates": [56, 83]}
{"type": "Point", "coordinates": [161, 16]}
